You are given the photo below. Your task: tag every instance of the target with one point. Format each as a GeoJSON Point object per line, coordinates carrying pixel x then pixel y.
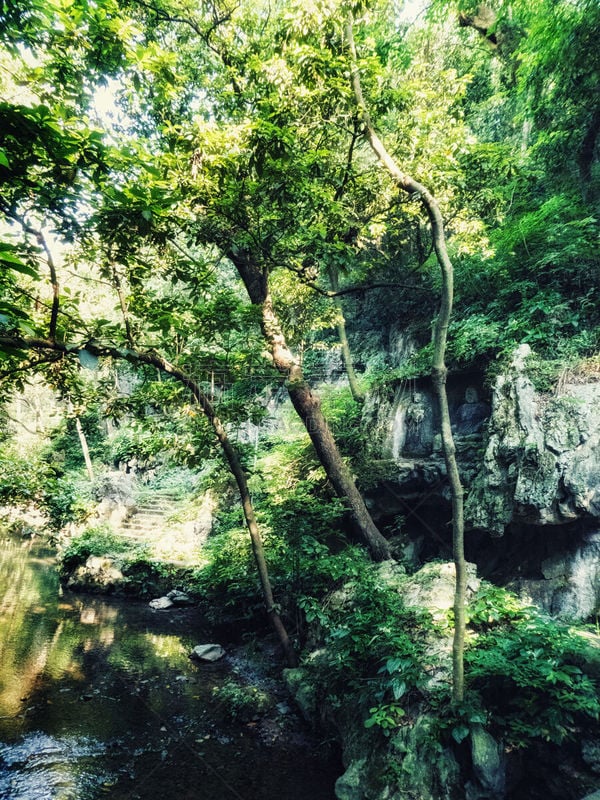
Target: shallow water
{"type": "Point", "coordinates": [98, 699]}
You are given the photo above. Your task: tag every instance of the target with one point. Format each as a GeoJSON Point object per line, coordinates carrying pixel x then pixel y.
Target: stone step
{"type": "Point", "coordinates": [158, 496]}
{"type": "Point", "coordinates": [155, 504]}
{"type": "Point", "coordinates": [150, 514]}
{"type": "Point", "coordinates": [144, 529]}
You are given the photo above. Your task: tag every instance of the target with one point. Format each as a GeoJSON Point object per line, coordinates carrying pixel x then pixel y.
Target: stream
{"type": "Point", "coordinates": [99, 699]}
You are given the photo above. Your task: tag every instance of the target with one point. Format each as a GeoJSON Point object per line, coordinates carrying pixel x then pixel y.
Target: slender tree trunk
{"type": "Point", "coordinates": [41, 240]}
{"type": "Point", "coordinates": [585, 157]}
{"type": "Point", "coordinates": [408, 184]}
{"type": "Point", "coordinates": [238, 473]}
{"type": "Point", "coordinates": [229, 451]}
{"type": "Point", "coordinates": [84, 449]}
{"type": "Point", "coordinates": [355, 389]}
{"type": "Point", "coordinates": [308, 408]}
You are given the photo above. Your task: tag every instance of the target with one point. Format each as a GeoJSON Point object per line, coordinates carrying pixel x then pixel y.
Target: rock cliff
{"type": "Point", "coordinates": [542, 461]}
{"type": "Point", "coordinates": [530, 465]}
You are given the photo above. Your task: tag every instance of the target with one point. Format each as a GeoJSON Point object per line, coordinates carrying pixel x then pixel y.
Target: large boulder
{"type": "Point", "coordinates": [207, 652]}
{"type": "Point", "coordinates": [99, 574]}
{"type": "Point", "coordinates": [161, 603]}
{"type": "Point", "coordinates": [114, 492]}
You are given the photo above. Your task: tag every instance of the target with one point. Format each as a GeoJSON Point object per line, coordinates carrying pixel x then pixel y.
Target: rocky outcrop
{"type": "Point", "coordinates": [570, 586]}
{"type": "Point", "coordinates": [416, 758]}
{"type": "Point", "coordinates": [411, 762]}
{"type": "Point", "coordinates": [121, 574]}
{"type": "Point", "coordinates": [115, 498]}
{"type": "Point", "coordinates": [542, 461]}
{"type": "Point", "coordinates": [99, 574]}
{"type": "Point", "coordinates": [530, 465]}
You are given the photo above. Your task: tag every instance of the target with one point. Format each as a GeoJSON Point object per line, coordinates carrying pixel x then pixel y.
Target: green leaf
{"type": "Point", "coordinates": [11, 310]}
{"type": "Point", "coordinates": [15, 263]}
{"type": "Point", "coordinates": [88, 360]}
{"type": "Point", "coordinates": [459, 733]}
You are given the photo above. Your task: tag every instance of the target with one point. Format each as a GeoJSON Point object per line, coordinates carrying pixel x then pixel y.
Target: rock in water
{"type": "Point", "coordinates": [161, 603]}
{"type": "Point", "coordinates": [179, 598]}
{"type": "Point", "coordinates": [207, 652]}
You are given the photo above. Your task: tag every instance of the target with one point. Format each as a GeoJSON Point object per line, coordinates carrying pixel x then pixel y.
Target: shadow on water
{"type": "Point", "coordinates": [98, 698]}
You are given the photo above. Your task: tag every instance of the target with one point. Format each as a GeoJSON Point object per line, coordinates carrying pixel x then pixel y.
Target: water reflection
{"type": "Point", "coordinates": [99, 698]}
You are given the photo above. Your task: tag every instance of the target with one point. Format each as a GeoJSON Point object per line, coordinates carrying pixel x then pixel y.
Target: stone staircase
{"type": "Point", "coordinates": [150, 519]}
{"type": "Point", "coordinates": [168, 539]}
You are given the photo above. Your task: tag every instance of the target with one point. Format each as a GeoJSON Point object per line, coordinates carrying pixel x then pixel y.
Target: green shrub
{"type": "Point", "coordinates": [64, 446]}
{"type": "Point", "coordinates": [20, 478]}
{"type": "Point", "coordinates": [344, 415]}
{"type": "Point", "coordinates": [242, 703]}
{"type": "Point", "coordinates": [130, 443]}
{"type": "Point", "coordinates": [97, 540]}
{"type": "Point", "coordinates": [526, 669]}
{"type": "Point", "coordinates": [67, 499]}
{"type": "Point", "coordinates": [373, 648]}
{"type": "Point", "coordinates": [229, 580]}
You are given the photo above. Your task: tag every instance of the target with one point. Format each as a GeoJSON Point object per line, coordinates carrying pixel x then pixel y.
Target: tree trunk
{"type": "Point", "coordinates": [85, 449]}
{"type": "Point", "coordinates": [439, 370]}
{"type": "Point", "coordinates": [355, 389]}
{"type": "Point", "coordinates": [230, 453]}
{"type": "Point", "coordinates": [308, 407]}
{"type": "Point", "coordinates": [585, 157]}
{"type": "Point", "coordinates": [238, 473]}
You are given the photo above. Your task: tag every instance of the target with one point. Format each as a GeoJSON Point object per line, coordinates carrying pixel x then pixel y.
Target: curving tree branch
{"type": "Point", "coordinates": [439, 370]}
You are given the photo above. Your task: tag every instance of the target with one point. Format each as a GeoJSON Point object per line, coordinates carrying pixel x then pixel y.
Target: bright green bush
{"type": "Point", "coordinates": [19, 478]}
{"type": "Point", "coordinates": [539, 284]}
{"type": "Point", "coordinates": [373, 648]}
{"type": "Point", "coordinates": [526, 669]}
{"type": "Point", "coordinates": [228, 582]}
{"type": "Point", "coordinates": [66, 499]}
{"type": "Point", "coordinates": [130, 443]}
{"type": "Point", "coordinates": [97, 540]}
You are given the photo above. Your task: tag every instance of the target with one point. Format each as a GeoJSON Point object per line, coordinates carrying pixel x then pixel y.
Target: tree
{"type": "Point", "coordinates": [28, 191]}
{"type": "Point", "coordinates": [16, 344]}
{"type": "Point", "coordinates": [231, 190]}
{"type": "Point", "coordinates": [408, 184]}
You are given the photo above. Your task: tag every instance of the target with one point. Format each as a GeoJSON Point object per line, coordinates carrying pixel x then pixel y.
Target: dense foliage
{"type": "Point", "coordinates": [169, 170]}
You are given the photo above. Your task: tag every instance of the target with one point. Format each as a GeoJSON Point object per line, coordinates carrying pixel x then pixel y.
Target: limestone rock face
{"type": "Point", "coordinates": [488, 767]}
{"type": "Point", "coordinates": [432, 587]}
{"type": "Point", "coordinates": [115, 496]}
{"type": "Point", "coordinates": [542, 461]}
{"type": "Point", "coordinates": [573, 577]}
